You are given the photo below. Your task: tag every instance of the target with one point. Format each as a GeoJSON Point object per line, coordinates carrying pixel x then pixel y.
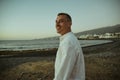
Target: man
{"type": "Point", "coordinates": [69, 64]}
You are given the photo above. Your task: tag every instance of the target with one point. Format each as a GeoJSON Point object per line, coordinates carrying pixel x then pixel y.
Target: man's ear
{"type": "Point", "coordinates": [70, 23]}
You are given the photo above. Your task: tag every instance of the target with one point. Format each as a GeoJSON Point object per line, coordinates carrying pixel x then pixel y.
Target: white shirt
{"type": "Point", "coordinates": [69, 64]}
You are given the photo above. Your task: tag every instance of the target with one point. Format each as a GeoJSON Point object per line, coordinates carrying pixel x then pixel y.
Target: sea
{"type": "Point", "coordinates": [16, 45]}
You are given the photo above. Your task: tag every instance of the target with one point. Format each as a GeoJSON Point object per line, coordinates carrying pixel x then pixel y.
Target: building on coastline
{"type": "Point", "coordinates": [118, 34]}
{"type": "Point", "coordinates": [108, 35]}
{"type": "Point", "coordinates": [100, 36]}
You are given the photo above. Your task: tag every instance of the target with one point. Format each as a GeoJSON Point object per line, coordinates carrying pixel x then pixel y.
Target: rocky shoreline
{"type": "Point", "coordinates": [101, 62]}
{"type": "Point", "coordinates": [52, 52]}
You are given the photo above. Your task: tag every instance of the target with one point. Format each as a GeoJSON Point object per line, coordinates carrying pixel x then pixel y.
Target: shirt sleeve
{"type": "Point", "coordinates": [67, 62]}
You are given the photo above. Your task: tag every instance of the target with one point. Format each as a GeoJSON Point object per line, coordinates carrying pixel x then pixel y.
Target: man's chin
{"type": "Point", "coordinates": [58, 32]}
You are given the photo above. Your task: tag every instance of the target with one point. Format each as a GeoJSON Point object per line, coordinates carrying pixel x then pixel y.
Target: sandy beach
{"type": "Point", "coordinates": [101, 63]}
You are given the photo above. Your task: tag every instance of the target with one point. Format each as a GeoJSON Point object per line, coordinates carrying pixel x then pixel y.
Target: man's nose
{"type": "Point", "coordinates": [57, 23]}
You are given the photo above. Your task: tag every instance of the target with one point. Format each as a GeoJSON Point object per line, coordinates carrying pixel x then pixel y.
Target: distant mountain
{"type": "Point", "coordinates": [109, 29]}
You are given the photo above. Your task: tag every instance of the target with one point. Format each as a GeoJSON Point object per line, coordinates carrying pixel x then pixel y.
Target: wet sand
{"type": "Point", "coordinates": [101, 63]}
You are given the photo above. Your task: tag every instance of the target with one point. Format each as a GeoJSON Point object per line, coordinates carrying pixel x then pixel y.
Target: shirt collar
{"type": "Point", "coordinates": [63, 36]}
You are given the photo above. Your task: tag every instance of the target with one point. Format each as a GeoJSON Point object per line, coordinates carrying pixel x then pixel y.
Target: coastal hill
{"type": "Point", "coordinates": [103, 30]}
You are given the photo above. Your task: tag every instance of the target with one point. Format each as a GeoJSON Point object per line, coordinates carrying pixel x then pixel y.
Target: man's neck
{"type": "Point", "coordinates": [65, 32]}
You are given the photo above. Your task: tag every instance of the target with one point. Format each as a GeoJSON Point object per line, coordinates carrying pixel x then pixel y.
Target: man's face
{"type": "Point", "coordinates": [62, 24]}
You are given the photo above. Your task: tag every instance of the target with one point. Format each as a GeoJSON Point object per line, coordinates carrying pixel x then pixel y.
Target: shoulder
{"type": "Point", "coordinates": [70, 40]}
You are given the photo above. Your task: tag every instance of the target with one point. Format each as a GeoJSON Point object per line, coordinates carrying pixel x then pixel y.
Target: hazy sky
{"type": "Point", "coordinates": [34, 19]}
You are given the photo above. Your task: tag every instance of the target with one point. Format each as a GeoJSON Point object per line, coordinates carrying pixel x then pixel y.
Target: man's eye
{"type": "Point", "coordinates": [61, 21]}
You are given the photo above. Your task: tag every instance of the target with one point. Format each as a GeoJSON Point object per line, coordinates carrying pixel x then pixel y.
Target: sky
{"type": "Point", "coordinates": [34, 19]}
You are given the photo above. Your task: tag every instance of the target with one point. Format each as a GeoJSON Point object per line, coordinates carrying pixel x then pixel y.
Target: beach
{"type": "Point", "coordinates": [101, 63]}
